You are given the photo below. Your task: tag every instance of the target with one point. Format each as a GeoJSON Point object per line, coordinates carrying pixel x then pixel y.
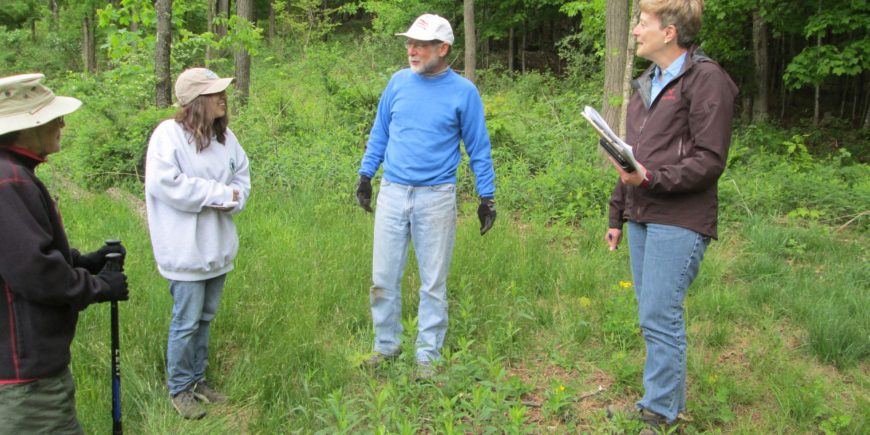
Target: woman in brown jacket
{"type": "Point", "coordinates": [679, 126]}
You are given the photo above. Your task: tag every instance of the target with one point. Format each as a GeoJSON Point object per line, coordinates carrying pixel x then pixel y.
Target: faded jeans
{"type": "Point", "coordinates": [194, 307]}
{"type": "Point", "coordinates": [664, 261]}
{"type": "Point", "coordinates": [425, 216]}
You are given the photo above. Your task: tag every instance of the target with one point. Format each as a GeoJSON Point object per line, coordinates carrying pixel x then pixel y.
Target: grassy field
{"type": "Point", "coordinates": [543, 329]}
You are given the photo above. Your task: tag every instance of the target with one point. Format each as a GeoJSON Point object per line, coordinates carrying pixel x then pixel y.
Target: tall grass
{"type": "Point", "coordinates": [540, 316]}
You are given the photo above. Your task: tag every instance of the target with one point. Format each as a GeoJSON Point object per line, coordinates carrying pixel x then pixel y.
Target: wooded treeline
{"type": "Point", "coordinates": [792, 59]}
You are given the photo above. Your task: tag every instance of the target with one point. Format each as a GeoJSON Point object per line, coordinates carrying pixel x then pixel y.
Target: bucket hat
{"type": "Point", "coordinates": [194, 82]}
{"type": "Point", "coordinates": [27, 103]}
{"type": "Point", "coordinates": [430, 27]}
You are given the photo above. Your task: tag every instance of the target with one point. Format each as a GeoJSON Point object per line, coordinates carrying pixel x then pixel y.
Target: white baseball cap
{"type": "Point", "coordinates": [430, 27]}
{"type": "Point", "coordinates": [27, 103]}
{"type": "Point", "coordinates": [194, 82]}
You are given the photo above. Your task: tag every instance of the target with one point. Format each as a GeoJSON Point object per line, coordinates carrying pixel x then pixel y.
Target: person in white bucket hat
{"type": "Point", "coordinates": [45, 283]}
{"type": "Point", "coordinates": [423, 114]}
{"type": "Point", "coordinates": [196, 180]}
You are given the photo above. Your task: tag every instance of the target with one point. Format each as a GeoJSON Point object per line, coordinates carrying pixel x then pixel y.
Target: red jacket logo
{"type": "Point", "coordinates": [669, 95]}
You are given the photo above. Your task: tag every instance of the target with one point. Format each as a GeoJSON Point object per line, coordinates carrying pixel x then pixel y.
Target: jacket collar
{"type": "Point", "coordinates": [643, 83]}
{"type": "Point", "coordinates": [27, 157]}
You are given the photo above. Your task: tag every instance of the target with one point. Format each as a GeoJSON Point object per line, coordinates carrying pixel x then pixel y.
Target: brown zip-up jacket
{"type": "Point", "coordinates": [682, 139]}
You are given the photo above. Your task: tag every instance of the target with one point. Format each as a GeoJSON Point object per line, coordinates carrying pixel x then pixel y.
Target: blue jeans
{"type": "Point", "coordinates": [664, 261]}
{"type": "Point", "coordinates": [426, 216]}
{"type": "Point", "coordinates": [195, 305]}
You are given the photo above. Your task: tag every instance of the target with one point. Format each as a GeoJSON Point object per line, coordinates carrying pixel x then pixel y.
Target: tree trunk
{"type": "Point", "coordinates": [212, 12]}
{"type": "Point", "coordinates": [616, 40]}
{"type": "Point", "coordinates": [162, 50]}
{"type": "Point", "coordinates": [759, 43]}
{"type": "Point", "coordinates": [470, 41]}
{"type": "Point", "coordinates": [244, 9]}
{"type": "Point", "coordinates": [817, 97]}
{"type": "Point", "coordinates": [523, 49]}
{"type": "Point", "coordinates": [52, 4]}
{"type": "Point", "coordinates": [271, 22]}
{"type": "Point", "coordinates": [511, 49]}
{"type": "Point", "coordinates": [629, 70]}
{"type": "Point", "coordinates": [89, 46]}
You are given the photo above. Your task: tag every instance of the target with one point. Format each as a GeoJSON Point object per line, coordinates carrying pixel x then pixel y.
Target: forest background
{"type": "Point", "coordinates": [543, 325]}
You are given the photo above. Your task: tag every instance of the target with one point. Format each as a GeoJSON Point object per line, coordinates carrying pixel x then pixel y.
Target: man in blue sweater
{"type": "Point", "coordinates": [423, 114]}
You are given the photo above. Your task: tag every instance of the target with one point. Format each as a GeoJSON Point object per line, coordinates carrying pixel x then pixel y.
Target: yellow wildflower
{"type": "Point", "coordinates": [625, 284]}
{"type": "Point", "coordinates": [585, 302]}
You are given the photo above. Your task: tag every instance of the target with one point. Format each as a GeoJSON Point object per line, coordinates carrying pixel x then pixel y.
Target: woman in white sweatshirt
{"type": "Point", "coordinates": [196, 179]}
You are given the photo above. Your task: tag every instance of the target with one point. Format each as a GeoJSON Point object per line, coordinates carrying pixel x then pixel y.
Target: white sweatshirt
{"type": "Point", "coordinates": [192, 241]}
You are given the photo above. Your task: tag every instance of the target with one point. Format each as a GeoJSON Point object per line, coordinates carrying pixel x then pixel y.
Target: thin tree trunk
{"type": "Point", "coordinates": [162, 51]}
{"type": "Point", "coordinates": [615, 44]}
{"type": "Point", "coordinates": [212, 12]}
{"type": "Point", "coordinates": [629, 70]}
{"type": "Point", "coordinates": [523, 49]}
{"type": "Point", "coordinates": [272, 22]}
{"type": "Point", "coordinates": [818, 97]}
{"type": "Point", "coordinates": [244, 9]}
{"type": "Point", "coordinates": [759, 40]}
{"type": "Point", "coordinates": [470, 41]}
{"type": "Point", "coordinates": [52, 4]}
{"type": "Point", "coordinates": [89, 55]}
{"type": "Point", "coordinates": [782, 88]}
{"type": "Point", "coordinates": [511, 49]}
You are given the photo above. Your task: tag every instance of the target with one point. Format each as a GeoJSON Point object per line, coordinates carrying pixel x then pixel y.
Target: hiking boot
{"type": "Point", "coordinates": [652, 420]}
{"type": "Point", "coordinates": [425, 371]}
{"type": "Point", "coordinates": [207, 394]}
{"type": "Point", "coordinates": [378, 359]}
{"type": "Point", "coordinates": [187, 406]}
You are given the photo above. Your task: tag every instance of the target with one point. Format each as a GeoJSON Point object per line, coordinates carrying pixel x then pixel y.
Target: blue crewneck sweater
{"type": "Point", "coordinates": [417, 129]}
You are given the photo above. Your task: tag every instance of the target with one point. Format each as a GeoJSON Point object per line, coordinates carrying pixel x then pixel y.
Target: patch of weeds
{"type": "Point", "coordinates": [558, 400]}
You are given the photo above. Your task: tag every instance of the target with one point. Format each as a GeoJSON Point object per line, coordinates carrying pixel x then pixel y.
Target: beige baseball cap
{"type": "Point", "coordinates": [194, 82]}
{"type": "Point", "coordinates": [27, 103]}
{"type": "Point", "coordinates": [430, 27]}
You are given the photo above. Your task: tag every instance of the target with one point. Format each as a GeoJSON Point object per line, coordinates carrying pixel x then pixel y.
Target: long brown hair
{"type": "Point", "coordinates": [193, 117]}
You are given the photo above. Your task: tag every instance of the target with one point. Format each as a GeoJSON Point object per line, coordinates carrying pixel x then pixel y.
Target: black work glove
{"type": "Point", "coordinates": [486, 214]}
{"type": "Point", "coordinates": [364, 193]}
{"type": "Point", "coordinates": [93, 262]}
{"type": "Point", "coordinates": [115, 288]}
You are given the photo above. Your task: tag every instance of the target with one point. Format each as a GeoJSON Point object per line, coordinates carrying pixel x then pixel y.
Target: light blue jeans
{"type": "Point", "coordinates": [426, 216]}
{"type": "Point", "coordinates": [664, 261]}
{"type": "Point", "coordinates": [194, 307]}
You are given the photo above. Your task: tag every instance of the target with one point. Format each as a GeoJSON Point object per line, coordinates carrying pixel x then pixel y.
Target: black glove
{"type": "Point", "coordinates": [115, 288]}
{"type": "Point", "coordinates": [486, 214]}
{"type": "Point", "coordinates": [364, 193]}
{"type": "Point", "coordinates": [94, 261]}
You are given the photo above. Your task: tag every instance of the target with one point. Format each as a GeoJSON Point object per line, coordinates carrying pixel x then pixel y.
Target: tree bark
{"type": "Point", "coordinates": [616, 40]}
{"type": "Point", "coordinates": [470, 41]}
{"type": "Point", "coordinates": [629, 70]}
{"type": "Point", "coordinates": [511, 49]}
{"type": "Point", "coordinates": [759, 44]}
{"type": "Point", "coordinates": [817, 98]}
{"type": "Point", "coordinates": [272, 22]}
{"type": "Point", "coordinates": [244, 9]}
{"type": "Point", "coordinates": [212, 12]}
{"type": "Point", "coordinates": [52, 4]}
{"type": "Point", "coordinates": [162, 50]}
{"type": "Point", "coordinates": [89, 46]}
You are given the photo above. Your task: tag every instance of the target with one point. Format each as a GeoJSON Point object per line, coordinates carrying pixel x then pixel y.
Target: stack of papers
{"type": "Point", "coordinates": [612, 144]}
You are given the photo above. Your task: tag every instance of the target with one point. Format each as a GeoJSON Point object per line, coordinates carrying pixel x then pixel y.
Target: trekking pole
{"type": "Point", "coordinates": [113, 263]}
